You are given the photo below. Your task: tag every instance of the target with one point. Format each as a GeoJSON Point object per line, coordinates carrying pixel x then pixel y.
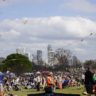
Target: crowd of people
{"type": "Point", "coordinates": [45, 80]}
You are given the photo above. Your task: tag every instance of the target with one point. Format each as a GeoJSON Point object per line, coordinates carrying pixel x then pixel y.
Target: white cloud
{"type": "Point", "coordinates": [55, 26]}
{"type": "Point", "coordinates": [80, 50]}
{"type": "Point", "coordinates": [36, 33]}
{"type": "Point", "coordinates": [12, 34]}
{"type": "Point", "coordinates": [80, 5]}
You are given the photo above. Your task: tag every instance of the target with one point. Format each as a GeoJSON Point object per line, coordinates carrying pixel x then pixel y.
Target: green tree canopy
{"type": "Point", "coordinates": [17, 63]}
{"type": "Point", "coordinates": [90, 63]}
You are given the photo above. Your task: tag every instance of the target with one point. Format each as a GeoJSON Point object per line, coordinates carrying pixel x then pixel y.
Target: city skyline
{"type": "Point", "coordinates": [52, 56]}
{"type": "Point", "coordinates": [33, 24]}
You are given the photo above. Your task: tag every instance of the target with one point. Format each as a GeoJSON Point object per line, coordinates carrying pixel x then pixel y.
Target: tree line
{"type": "Point", "coordinates": [19, 64]}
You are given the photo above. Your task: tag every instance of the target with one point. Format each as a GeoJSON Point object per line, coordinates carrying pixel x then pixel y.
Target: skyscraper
{"type": "Point", "coordinates": [39, 56]}
{"type": "Point", "coordinates": [29, 56]}
{"type": "Point", "coordinates": [34, 58]}
{"type": "Point", "coordinates": [50, 56]}
{"type": "Point", "coordinates": [20, 51]}
{"type": "Point", "coordinates": [23, 52]}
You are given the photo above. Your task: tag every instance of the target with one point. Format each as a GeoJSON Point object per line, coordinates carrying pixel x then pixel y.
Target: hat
{"type": "Point", "coordinates": [50, 74]}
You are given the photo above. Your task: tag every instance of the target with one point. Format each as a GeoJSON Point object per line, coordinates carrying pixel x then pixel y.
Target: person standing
{"type": "Point", "coordinates": [50, 88]}
{"type": "Point", "coordinates": [89, 81]}
{"type": "Point", "coordinates": [38, 81]}
{"type": "Point", "coordinates": [94, 79]}
{"type": "Point", "coordinates": [1, 84]}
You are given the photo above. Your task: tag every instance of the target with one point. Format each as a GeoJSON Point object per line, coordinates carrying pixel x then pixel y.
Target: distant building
{"type": "Point", "coordinates": [20, 51]}
{"type": "Point", "coordinates": [23, 52]}
{"type": "Point", "coordinates": [29, 56]}
{"type": "Point", "coordinates": [39, 56]}
{"type": "Point", "coordinates": [51, 57]}
{"type": "Point", "coordinates": [1, 60]}
{"type": "Point", "coordinates": [34, 58]}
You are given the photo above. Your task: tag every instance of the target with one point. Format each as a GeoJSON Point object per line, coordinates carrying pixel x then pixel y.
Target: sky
{"type": "Point", "coordinates": [33, 24]}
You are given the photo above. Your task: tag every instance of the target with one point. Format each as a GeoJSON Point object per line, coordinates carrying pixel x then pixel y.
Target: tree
{"type": "Point", "coordinates": [63, 56]}
{"type": "Point", "coordinates": [90, 63]}
{"type": "Point", "coordinates": [76, 62]}
{"type": "Point", "coordinates": [17, 63]}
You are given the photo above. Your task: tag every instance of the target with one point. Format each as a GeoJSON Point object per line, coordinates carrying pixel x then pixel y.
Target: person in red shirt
{"type": "Point", "coordinates": [50, 83]}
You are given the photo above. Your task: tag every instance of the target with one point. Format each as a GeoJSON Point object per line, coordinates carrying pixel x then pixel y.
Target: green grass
{"type": "Point", "coordinates": [72, 90]}
{"type": "Point", "coordinates": [24, 92]}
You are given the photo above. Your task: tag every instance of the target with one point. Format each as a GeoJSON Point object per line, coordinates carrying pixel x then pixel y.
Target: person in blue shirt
{"type": "Point", "coordinates": [1, 77]}
{"type": "Point", "coordinates": [1, 84]}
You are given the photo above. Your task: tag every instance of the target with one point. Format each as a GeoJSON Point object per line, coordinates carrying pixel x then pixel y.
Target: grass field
{"type": "Point", "coordinates": [72, 90]}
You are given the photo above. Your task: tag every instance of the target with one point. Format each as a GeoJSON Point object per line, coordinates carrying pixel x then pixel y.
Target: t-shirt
{"type": "Point", "coordinates": [88, 77]}
{"type": "Point", "coordinates": [1, 77]}
{"type": "Point", "coordinates": [83, 76]}
{"type": "Point", "coordinates": [94, 77]}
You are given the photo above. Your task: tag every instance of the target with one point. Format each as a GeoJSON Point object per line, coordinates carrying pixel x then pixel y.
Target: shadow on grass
{"type": "Point", "coordinates": [53, 94]}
